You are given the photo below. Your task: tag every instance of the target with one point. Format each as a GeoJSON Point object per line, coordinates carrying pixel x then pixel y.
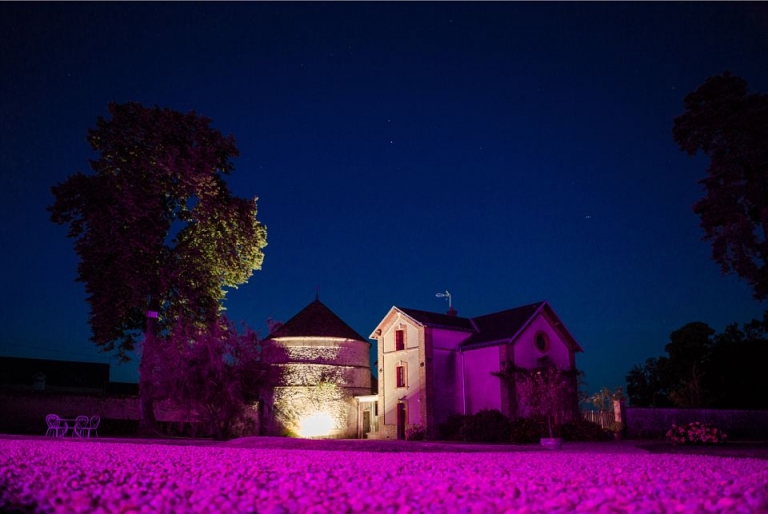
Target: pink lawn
{"type": "Point", "coordinates": [42, 475]}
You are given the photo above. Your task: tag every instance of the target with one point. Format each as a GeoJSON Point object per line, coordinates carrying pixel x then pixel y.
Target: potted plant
{"type": "Point", "coordinates": [551, 442]}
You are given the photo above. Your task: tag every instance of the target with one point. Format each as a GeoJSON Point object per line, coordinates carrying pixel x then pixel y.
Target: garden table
{"type": "Point", "coordinates": [70, 425]}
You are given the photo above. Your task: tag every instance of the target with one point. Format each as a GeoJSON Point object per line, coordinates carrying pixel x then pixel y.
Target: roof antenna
{"type": "Point", "coordinates": [447, 295]}
{"type": "Point", "coordinates": [317, 293]}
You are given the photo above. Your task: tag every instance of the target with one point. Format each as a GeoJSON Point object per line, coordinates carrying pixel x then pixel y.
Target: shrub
{"type": "Point", "coordinates": [450, 430]}
{"type": "Point", "coordinates": [696, 433]}
{"type": "Point", "coordinates": [486, 426]}
{"type": "Point", "coordinates": [415, 433]}
{"type": "Point", "coordinates": [528, 430]}
{"type": "Point", "coordinates": [583, 430]}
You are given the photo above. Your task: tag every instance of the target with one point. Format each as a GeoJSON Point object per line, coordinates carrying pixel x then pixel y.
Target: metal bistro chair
{"type": "Point", "coordinates": [81, 424]}
{"type": "Point", "coordinates": [56, 427]}
{"type": "Point", "coordinates": [93, 425]}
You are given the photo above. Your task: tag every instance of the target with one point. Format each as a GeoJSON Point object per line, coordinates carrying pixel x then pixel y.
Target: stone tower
{"type": "Point", "coordinates": [319, 364]}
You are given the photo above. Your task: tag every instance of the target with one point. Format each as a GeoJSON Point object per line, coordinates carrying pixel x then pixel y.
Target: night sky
{"type": "Point", "coordinates": [506, 152]}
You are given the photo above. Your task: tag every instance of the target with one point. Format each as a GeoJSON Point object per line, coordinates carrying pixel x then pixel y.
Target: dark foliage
{"type": "Point", "coordinates": [529, 430]}
{"type": "Point", "coordinates": [486, 426]}
{"type": "Point", "coordinates": [548, 391]}
{"type": "Point", "coordinates": [450, 430]}
{"type": "Point", "coordinates": [648, 385]}
{"type": "Point", "coordinates": [583, 430]}
{"type": "Point", "coordinates": [730, 125]}
{"type": "Point", "coordinates": [736, 377]}
{"type": "Point", "coordinates": [415, 433]}
{"type": "Point", "coordinates": [705, 369]}
{"type": "Point", "coordinates": [215, 372]}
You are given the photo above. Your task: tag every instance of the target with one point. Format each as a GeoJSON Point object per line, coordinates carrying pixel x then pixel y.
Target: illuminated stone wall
{"type": "Point", "coordinates": [322, 410]}
{"type": "Point", "coordinates": [317, 379]}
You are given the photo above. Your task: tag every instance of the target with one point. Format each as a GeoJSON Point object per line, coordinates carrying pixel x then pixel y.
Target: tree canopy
{"type": "Point", "coordinates": [730, 125]}
{"type": "Point", "coordinates": [158, 233]}
{"type": "Point", "coordinates": [156, 227]}
{"type": "Point", "coordinates": [706, 369]}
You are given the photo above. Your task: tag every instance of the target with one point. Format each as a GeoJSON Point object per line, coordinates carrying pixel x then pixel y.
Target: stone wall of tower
{"type": "Point", "coordinates": [314, 375]}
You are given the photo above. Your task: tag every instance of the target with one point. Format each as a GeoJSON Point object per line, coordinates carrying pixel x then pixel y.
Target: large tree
{"type": "Point", "coordinates": [736, 377]}
{"type": "Point", "coordinates": [704, 368]}
{"type": "Point", "coordinates": [689, 350]}
{"type": "Point", "coordinates": [648, 385]}
{"type": "Point", "coordinates": [678, 379]}
{"type": "Point", "coordinates": [730, 125]}
{"type": "Point", "coordinates": [158, 233]}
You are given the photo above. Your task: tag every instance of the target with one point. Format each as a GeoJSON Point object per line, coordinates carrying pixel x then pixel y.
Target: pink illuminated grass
{"type": "Point", "coordinates": [103, 477]}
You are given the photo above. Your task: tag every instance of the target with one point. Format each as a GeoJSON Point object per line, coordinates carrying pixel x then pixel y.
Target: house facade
{"type": "Point", "coordinates": [320, 365]}
{"type": "Point", "coordinates": [432, 365]}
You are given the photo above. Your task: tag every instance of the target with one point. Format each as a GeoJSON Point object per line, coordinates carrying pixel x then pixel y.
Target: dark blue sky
{"type": "Point", "coordinates": [506, 152]}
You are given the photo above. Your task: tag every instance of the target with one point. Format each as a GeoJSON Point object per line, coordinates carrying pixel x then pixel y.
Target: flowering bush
{"type": "Point", "coordinates": [415, 433]}
{"type": "Point", "coordinates": [696, 433]}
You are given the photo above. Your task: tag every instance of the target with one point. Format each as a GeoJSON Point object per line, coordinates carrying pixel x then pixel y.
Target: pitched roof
{"type": "Point", "coordinates": [503, 326]}
{"type": "Point", "coordinates": [316, 320]}
{"type": "Point", "coordinates": [435, 319]}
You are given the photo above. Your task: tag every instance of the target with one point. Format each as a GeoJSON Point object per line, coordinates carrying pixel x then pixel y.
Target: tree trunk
{"type": "Point", "coordinates": [148, 423]}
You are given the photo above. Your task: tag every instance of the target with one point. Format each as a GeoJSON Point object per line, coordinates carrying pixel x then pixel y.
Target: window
{"type": "Point", "coordinates": [400, 376]}
{"type": "Point", "coordinates": [399, 340]}
{"type": "Point", "coordinates": [542, 342]}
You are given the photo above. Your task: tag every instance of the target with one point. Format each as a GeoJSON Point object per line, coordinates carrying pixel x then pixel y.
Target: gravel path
{"type": "Point", "coordinates": [44, 475]}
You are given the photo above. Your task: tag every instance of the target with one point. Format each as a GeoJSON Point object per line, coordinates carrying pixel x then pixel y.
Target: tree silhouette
{"type": "Point", "coordinates": [736, 377]}
{"type": "Point", "coordinates": [157, 231]}
{"type": "Point", "coordinates": [706, 369]}
{"type": "Point", "coordinates": [648, 385]}
{"type": "Point", "coordinates": [730, 125]}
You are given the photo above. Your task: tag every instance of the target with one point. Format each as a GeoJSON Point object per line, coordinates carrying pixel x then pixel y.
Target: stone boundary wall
{"type": "Point", "coordinates": [24, 412]}
{"type": "Point", "coordinates": [653, 423]}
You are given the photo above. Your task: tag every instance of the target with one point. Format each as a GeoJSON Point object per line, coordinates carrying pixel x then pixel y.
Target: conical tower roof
{"type": "Point", "coordinates": [316, 320]}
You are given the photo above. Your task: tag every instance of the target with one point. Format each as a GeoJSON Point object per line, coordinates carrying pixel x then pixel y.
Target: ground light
{"type": "Point", "coordinates": [319, 424]}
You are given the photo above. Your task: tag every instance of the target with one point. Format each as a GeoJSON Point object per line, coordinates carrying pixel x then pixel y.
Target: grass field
{"type": "Point", "coordinates": [286, 476]}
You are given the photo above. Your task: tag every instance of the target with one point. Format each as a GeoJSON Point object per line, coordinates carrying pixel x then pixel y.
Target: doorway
{"type": "Point", "coordinates": [366, 422]}
{"type": "Point", "coordinates": [401, 420]}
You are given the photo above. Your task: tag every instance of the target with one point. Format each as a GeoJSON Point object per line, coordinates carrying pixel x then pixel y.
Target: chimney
{"type": "Point", "coordinates": [452, 312]}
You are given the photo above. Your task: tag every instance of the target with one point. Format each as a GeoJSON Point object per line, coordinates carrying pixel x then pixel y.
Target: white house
{"type": "Point", "coordinates": [432, 365]}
